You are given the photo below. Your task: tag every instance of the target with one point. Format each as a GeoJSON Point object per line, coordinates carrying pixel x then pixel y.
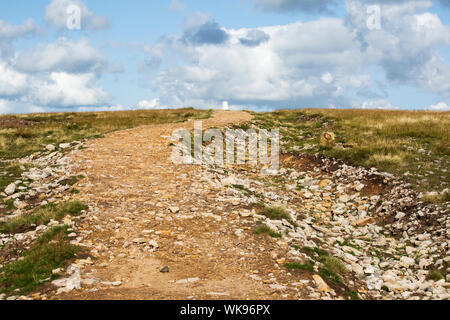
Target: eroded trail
{"type": "Point", "coordinates": [148, 213]}
{"type": "Point", "coordinates": [326, 230]}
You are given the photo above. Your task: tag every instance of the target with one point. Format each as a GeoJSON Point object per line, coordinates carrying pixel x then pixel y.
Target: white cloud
{"type": "Point", "coordinates": [378, 104]}
{"type": "Point", "coordinates": [62, 89]}
{"type": "Point", "coordinates": [63, 55]}
{"type": "Point", "coordinates": [62, 74]}
{"type": "Point", "coordinates": [145, 104]}
{"type": "Point", "coordinates": [12, 83]}
{"type": "Point", "coordinates": [441, 106]}
{"type": "Point", "coordinates": [56, 15]}
{"type": "Point", "coordinates": [327, 78]}
{"type": "Point", "coordinates": [324, 62]}
{"type": "Point", "coordinates": [9, 31]}
{"type": "Point", "coordinates": [406, 46]}
{"type": "Point", "coordinates": [289, 68]}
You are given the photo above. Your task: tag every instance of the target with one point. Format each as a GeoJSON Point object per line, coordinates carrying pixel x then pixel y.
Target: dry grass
{"type": "Point", "coordinates": [379, 159]}
{"type": "Point", "coordinates": [413, 144]}
{"type": "Point", "coordinates": [21, 135]}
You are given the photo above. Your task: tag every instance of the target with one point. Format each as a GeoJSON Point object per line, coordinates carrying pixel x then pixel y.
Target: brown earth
{"type": "Point", "coordinates": [11, 122]}
{"type": "Point", "coordinates": [131, 183]}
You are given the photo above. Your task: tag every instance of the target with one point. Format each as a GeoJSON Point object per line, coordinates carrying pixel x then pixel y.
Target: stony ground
{"type": "Point", "coordinates": [156, 230]}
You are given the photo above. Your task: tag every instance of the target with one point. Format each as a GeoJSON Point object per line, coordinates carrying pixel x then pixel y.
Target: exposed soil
{"type": "Point", "coordinates": [130, 174]}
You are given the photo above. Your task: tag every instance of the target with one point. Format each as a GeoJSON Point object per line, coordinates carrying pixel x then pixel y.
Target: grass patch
{"type": "Point", "coordinates": [243, 189]}
{"type": "Point", "coordinates": [315, 251]}
{"type": "Point", "coordinates": [330, 276]}
{"type": "Point", "coordinates": [307, 266]}
{"type": "Point", "coordinates": [274, 213]}
{"type": "Point", "coordinates": [9, 204]}
{"type": "Point", "coordinates": [352, 294]}
{"type": "Point", "coordinates": [43, 215]}
{"type": "Point", "coordinates": [39, 130]}
{"type": "Point", "coordinates": [435, 275]}
{"type": "Point", "coordinates": [412, 144]}
{"type": "Point", "coordinates": [71, 180]}
{"type": "Point", "coordinates": [74, 191]}
{"type": "Point", "coordinates": [52, 250]}
{"type": "Point", "coordinates": [12, 172]}
{"type": "Point", "coordinates": [442, 198]}
{"type": "Point", "coordinates": [334, 265]}
{"type": "Point", "coordinates": [266, 230]}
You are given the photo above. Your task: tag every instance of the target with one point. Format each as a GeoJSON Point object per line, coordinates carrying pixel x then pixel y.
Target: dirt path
{"type": "Point", "coordinates": [147, 213]}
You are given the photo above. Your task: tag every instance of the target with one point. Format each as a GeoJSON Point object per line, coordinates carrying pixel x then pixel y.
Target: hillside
{"type": "Point", "coordinates": [93, 208]}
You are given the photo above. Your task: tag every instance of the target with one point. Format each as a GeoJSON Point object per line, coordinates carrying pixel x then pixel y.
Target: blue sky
{"type": "Point", "coordinates": [254, 54]}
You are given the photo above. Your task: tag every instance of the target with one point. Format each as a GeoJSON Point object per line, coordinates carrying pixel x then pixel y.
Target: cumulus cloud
{"type": "Point", "coordinates": [208, 32]}
{"type": "Point", "coordinates": [63, 55]}
{"type": "Point", "coordinates": [12, 83]}
{"type": "Point", "coordinates": [319, 63]}
{"type": "Point", "coordinates": [254, 38]}
{"type": "Point", "coordinates": [62, 74]}
{"type": "Point", "coordinates": [56, 14]}
{"type": "Point", "coordinates": [21, 92]}
{"type": "Point", "coordinates": [9, 31]}
{"type": "Point", "coordinates": [406, 45]}
{"type": "Point", "coordinates": [146, 104]}
{"type": "Point", "coordinates": [441, 106]}
{"type": "Point", "coordinates": [63, 89]}
{"type": "Point", "coordinates": [378, 104]}
{"type": "Point", "coordinates": [282, 72]}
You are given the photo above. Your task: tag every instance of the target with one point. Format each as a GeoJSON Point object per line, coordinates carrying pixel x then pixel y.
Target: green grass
{"type": "Point", "coordinates": [266, 230]}
{"type": "Point", "coordinates": [308, 266]}
{"type": "Point", "coordinates": [352, 294]}
{"type": "Point", "coordinates": [56, 128]}
{"type": "Point", "coordinates": [435, 275]}
{"type": "Point", "coordinates": [42, 215]}
{"type": "Point", "coordinates": [315, 252]}
{"type": "Point", "coordinates": [71, 180]}
{"type": "Point", "coordinates": [8, 203]}
{"type": "Point", "coordinates": [13, 171]}
{"type": "Point", "coordinates": [330, 276]}
{"type": "Point", "coordinates": [388, 140]}
{"type": "Point", "coordinates": [51, 251]}
{"type": "Point", "coordinates": [274, 213]}
{"type": "Point", "coordinates": [330, 263]}
{"type": "Point", "coordinates": [243, 189]}
{"type": "Point", "coordinates": [334, 265]}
